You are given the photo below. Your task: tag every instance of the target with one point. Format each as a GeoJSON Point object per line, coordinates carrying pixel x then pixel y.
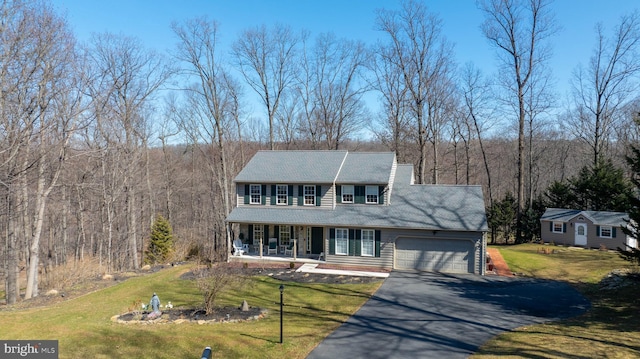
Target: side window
{"type": "Point", "coordinates": [605, 232]}
{"type": "Point", "coordinates": [557, 227]}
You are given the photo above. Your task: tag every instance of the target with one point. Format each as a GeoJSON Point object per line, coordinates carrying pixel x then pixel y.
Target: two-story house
{"type": "Point", "coordinates": [359, 208]}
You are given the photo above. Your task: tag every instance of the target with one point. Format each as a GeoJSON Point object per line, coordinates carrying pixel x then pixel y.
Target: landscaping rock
{"type": "Point", "coordinates": [618, 278]}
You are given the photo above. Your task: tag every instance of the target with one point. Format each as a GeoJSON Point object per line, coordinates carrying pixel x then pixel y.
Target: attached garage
{"type": "Point", "coordinates": [438, 255]}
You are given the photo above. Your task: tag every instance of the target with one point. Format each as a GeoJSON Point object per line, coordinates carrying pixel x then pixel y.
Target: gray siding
{"type": "Point", "coordinates": [326, 201]}
{"type": "Point", "coordinates": [384, 261]}
{"type": "Point", "coordinates": [593, 240]}
{"type": "Point", "coordinates": [387, 248]}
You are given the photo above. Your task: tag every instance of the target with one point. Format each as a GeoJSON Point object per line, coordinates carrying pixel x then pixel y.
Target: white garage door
{"type": "Point", "coordinates": [452, 256]}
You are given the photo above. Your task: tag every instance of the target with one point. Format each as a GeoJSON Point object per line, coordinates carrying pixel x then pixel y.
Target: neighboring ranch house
{"type": "Point", "coordinates": [359, 208]}
{"type": "Point", "coordinates": [590, 229]}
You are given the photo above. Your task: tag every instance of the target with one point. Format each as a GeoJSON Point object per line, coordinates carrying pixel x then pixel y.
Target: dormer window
{"type": "Point", "coordinates": [371, 195]}
{"type": "Point", "coordinates": [347, 194]}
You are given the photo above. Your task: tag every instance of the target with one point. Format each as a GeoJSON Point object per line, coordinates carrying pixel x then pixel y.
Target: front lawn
{"type": "Point", "coordinates": [84, 328]}
{"type": "Point", "coordinates": [610, 329]}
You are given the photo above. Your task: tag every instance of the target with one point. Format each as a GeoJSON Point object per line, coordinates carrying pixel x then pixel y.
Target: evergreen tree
{"type": "Point", "coordinates": [502, 217]}
{"type": "Point", "coordinates": [633, 226]}
{"type": "Point", "coordinates": [161, 241]}
{"type": "Point", "coordinates": [600, 188]}
{"type": "Point", "coordinates": [560, 195]}
{"type": "Point", "coordinates": [531, 220]}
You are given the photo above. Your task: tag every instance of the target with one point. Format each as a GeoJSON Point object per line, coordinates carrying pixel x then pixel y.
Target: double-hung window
{"type": "Point", "coordinates": [342, 241]}
{"type": "Point", "coordinates": [255, 194]}
{"type": "Point", "coordinates": [285, 235]}
{"type": "Point", "coordinates": [347, 194]}
{"type": "Point", "coordinates": [309, 195]}
{"type": "Point", "coordinates": [557, 227]}
{"type": "Point", "coordinates": [371, 194]}
{"type": "Point", "coordinates": [282, 193]}
{"type": "Point", "coordinates": [368, 240]}
{"type": "Point", "coordinates": [258, 233]}
{"type": "Point", "coordinates": [605, 232]}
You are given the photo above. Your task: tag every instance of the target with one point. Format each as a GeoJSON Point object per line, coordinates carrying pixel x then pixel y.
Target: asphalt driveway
{"type": "Point", "coordinates": [430, 315]}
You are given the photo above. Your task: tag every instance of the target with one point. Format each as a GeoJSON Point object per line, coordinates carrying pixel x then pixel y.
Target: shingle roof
{"type": "Point", "coordinates": [292, 167]}
{"type": "Point", "coordinates": [597, 217]}
{"type": "Point", "coordinates": [427, 207]}
{"type": "Point", "coordinates": [366, 167]}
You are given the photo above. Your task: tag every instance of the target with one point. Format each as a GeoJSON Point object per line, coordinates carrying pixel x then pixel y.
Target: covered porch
{"type": "Point", "coordinates": [282, 240]}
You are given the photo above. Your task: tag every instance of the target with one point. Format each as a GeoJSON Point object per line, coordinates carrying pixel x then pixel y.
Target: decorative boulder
{"type": "Point", "coordinates": [245, 306]}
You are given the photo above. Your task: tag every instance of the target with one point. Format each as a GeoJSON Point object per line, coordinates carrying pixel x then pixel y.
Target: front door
{"type": "Point", "coordinates": [581, 234]}
{"type": "Point", "coordinates": [317, 237]}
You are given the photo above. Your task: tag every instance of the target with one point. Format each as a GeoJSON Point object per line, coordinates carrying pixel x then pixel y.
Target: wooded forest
{"type": "Point", "coordinates": [98, 138]}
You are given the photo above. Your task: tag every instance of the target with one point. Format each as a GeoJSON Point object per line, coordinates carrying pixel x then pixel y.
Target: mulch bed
{"type": "Point", "coordinates": [184, 315]}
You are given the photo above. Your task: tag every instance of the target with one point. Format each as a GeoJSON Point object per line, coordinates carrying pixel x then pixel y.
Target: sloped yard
{"type": "Point", "coordinates": [84, 327]}
{"type": "Point", "coordinates": [610, 329]}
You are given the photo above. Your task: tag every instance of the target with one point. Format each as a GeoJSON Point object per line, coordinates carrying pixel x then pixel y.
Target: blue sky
{"type": "Point", "coordinates": [149, 20]}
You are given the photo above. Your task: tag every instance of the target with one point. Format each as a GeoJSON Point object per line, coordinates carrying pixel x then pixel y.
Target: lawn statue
{"type": "Point", "coordinates": [155, 307]}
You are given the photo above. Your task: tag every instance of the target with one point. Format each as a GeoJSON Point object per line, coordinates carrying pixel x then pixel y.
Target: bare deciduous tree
{"type": "Point", "coordinates": [518, 30]}
{"type": "Point", "coordinates": [212, 107]}
{"type": "Point", "coordinates": [606, 85]}
{"type": "Point", "coordinates": [418, 49]}
{"type": "Point", "coordinates": [475, 97]}
{"type": "Point", "coordinates": [394, 121]}
{"type": "Point", "coordinates": [267, 60]}
{"type": "Point", "coordinates": [336, 90]}
{"type": "Point", "coordinates": [37, 115]}
{"type": "Point", "coordinates": [125, 77]}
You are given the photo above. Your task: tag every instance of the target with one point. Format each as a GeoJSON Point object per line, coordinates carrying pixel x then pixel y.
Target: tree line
{"type": "Point", "coordinates": [99, 138]}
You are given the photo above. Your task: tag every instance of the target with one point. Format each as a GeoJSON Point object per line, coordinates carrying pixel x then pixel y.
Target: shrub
{"type": "Point", "coordinates": [216, 279]}
{"type": "Point", "coordinates": [71, 273]}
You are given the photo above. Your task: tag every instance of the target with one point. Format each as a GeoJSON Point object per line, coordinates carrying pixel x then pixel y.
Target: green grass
{"type": "Point", "coordinates": [84, 329]}
{"type": "Point", "coordinates": [610, 329]}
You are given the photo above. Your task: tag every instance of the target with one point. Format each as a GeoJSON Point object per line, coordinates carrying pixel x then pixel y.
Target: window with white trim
{"type": "Point", "coordinates": [285, 235]}
{"type": "Point", "coordinates": [557, 227]}
{"type": "Point", "coordinates": [255, 194]}
{"type": "Point", "coordinates": [258, 233]}
{"type": "Point", "coordinates": [347, 194]}
{"type": "Point", "coordinates": [342, 241]}
{"type": "Point", "coordinates": [605, 232]}
{"type": "Point", "coordinates": [309, 195]}
{"type": "Point", "coordinates": [371, 194]}
{"type": "Point", "coordinates": [368, 240]}
{"type": "Point", "coordinates": [282, 193]}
